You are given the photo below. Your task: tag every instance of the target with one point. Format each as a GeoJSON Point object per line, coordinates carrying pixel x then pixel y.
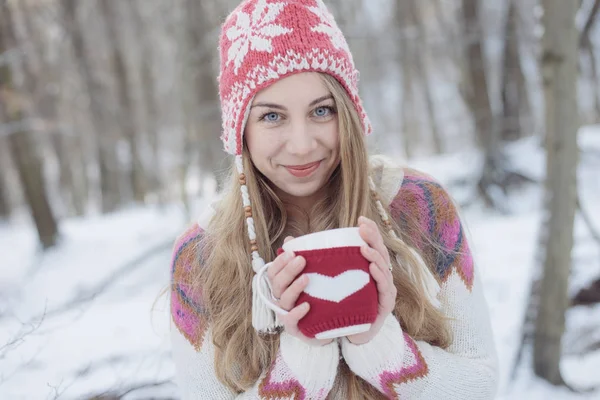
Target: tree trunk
{"type": "Point", "coordinates": [584, 39]}
{"type": "Point", "coordinates": [422, 71]}
{"type": "Point", "coordinates": [5, 206]}
{"type": "Point", "coordinates": [586, 45]}
{"type": "Point", "coordinates": [42, 78]}
{"type": "Point", "coordinates": [478, 100]}
{"type": "Point", "coordinates": [126, 109]}
{"type": "Point", "coordinates": [207, 121]}
{"type": "Point", "coordinates": [513, 80]}
{"type": "Point", "coordinates": [21, 143]}
{"type": "Point", "coordinates": [478, 94]}
{"type": "Point", "coordinates": [150, 104]}
{"type": "Point", "coordinates": [404, 51]}
{"type": "Point", "coordinates": [451, 44]}
{"type": "Point", "coordinates": [559, 74]}
{"type": "Point", "coordinates": [68, 182]}
{"type": "Point", "coordinates": [105, 138]}
{"type": "Point", "coordinates": [29, 168]}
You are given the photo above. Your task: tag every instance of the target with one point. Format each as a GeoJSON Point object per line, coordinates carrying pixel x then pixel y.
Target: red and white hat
{"type": "Point", "coordinates": [263, 41]}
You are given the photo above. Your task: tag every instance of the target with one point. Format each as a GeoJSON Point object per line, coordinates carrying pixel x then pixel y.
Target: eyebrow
{"type": "Point", "coordinates": [280, 107]}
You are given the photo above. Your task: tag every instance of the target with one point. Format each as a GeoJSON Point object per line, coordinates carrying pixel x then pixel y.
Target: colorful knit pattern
{"type": "Point", "coordinates": [263, 41]}
{"type": "Point", "coordinates": [287, 387]}
{"type": "Point", "coordinates": [414, 367]}
{"type": "Point", "coordinates": [186, 306]}
{"type": "Point", "coordinates": [438, 232]}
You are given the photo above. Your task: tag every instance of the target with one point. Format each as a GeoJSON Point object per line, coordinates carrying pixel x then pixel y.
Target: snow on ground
{"type": "Point", "coordinates": [88, 343]}
{"type": "Point", "coordinates": [111, 342]}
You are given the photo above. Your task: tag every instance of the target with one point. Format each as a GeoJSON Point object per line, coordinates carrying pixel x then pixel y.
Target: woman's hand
{"type": "Point", "coordinates": [378, 255]}
{"type": "Point", "coordinates": [287, 287]}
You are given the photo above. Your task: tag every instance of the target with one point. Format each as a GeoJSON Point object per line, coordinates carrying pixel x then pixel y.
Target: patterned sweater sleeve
{"type": "Point", "coordinates": [403, 368]}
{"type": "Point", "coordinates": [299, 371]}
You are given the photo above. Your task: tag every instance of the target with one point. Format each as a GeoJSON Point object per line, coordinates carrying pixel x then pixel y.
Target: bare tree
{"type": "Point", "coordinates": [420, 62]}
{"type": "Point", "coordinates": [5, 206]}
{"type": "Point", "coordinates": [16, 109]}
{"type": "Point", "coordinates": [515, 102]}
{"type": "Point", "coordinates": [559, 74]}
{"type": "Point", "coordinates": [143, 34]}
{"type": "Point", "coordinates": [447, 28]}
{"type": "Point", "coordinates": [585, 44]}
{"type": "Point", "coordinates": [43, 84]}
{"type": "Point", "coordinates": [410, 124]}
{"type": "Point", "coordinates": [478, 100]}
{"type": "Point", "coordinates": [99, 98]}
{"type": "Point", "coordinates": [202, 92]}
{"type": "Point", "coordinates": [110, 12]}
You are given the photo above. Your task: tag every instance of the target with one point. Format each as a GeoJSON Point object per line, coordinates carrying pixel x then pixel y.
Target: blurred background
{"type": "Point", "coordinates": [109, 147]}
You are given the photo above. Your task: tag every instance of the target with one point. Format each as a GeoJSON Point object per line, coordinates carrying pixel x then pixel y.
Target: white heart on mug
{"type": "Point", "coordinates": [336, 288]}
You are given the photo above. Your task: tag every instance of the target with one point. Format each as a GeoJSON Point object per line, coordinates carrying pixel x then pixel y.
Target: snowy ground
{"type": "Point", "coordinates": [81, 320]}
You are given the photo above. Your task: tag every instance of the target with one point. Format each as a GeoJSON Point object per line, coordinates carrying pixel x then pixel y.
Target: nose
{"type": "Point", "coordinates": [300, 142]}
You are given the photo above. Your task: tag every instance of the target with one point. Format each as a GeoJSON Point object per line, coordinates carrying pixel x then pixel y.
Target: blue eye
{"type": "Point", "coordinates": [270, 117]}
{"type": "Point", "coordinates": [323, 111]}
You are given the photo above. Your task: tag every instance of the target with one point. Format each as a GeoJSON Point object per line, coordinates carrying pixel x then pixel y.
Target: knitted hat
{"type": "Point", "coordinates": [263, 41]}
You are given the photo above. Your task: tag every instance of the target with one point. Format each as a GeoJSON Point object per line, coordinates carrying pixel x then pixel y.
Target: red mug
{"type": "Point", "coordinates": [341, 291]}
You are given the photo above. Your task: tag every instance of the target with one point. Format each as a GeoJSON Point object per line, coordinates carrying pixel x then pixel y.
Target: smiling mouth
{"type": "Point", "coordinates": [302, 171]}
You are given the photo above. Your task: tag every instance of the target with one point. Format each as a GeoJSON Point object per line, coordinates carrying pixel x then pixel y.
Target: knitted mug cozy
{"type": "Point", "coordinates": [341, 293]}
{"type": "Point", "coordinates": [261, 42]}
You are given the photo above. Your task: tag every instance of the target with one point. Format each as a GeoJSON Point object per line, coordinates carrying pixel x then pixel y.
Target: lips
{"type": "Point", "coordinates": [302, 171]}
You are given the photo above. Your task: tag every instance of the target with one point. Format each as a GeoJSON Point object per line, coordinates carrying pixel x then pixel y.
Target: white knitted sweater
{"type": "Point", "coordinates": [394, 363]}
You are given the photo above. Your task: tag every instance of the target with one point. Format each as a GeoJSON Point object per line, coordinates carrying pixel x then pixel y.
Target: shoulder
{"type": "Point", "coordinates": [422, 196]}
{"type": "Point", "coordinates": [408, 190]}
{"type": "Point", "coordinates": [430, 220]}
{"type": "Point", "coordinates": [187, 311]}
{"type": "Point", "coordinates": [188, 248]}
{"type": "Point", "coordinates": [185, 250]}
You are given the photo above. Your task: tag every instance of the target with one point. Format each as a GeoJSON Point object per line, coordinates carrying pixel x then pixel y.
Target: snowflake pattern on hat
{"type": "Point", "coordinates": [329, 27]}
{"type": "Point", "coordinates": [263, 41]}
{"type": "Point", "coordinates": [254, 31]}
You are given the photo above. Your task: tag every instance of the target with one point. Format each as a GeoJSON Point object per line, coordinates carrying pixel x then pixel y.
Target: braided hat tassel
{"type": "Point", "coordinates": [264, 319]}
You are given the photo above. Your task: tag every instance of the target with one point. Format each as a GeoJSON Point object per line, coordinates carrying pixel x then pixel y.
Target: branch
{"type": "Point", "coordinates": [18, 339]}
{"type": "Point", "coordinates": [587, 220]}
{"type": "Point", "coordinates": [90, 294]}
{"type": "Point", "coordinates": [24, 366]}
{"type": "Point", "coordinates": [526, 328]}
{"type": "Point", "coordinates": [120, 394]}
{"type": "Point", "coordinates": [145, 385]}
{"type": "Point", "coordinates": [586, 342]}
{"type": "Point", "coordinates": [584, 39]}
{"type": "Point", "coordinates": [57, 389]}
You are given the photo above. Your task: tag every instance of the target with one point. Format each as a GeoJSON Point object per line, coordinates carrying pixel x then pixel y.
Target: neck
{"type": "Point", "coordinates": [301, 207]}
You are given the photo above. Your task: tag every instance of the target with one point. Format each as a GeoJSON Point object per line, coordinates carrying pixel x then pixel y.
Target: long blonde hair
{"type": "Point", "coordinates": [225, 276]}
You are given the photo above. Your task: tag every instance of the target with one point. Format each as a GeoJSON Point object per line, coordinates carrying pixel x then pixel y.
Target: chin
{"type": "Point", "coordinates": [303, 190]}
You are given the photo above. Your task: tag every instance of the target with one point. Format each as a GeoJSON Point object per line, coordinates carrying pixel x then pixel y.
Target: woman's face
{"type": "Point", "coordinates": [292, 135]}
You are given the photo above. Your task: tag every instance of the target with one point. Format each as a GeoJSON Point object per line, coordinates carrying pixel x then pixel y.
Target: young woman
{"type": "Point", "coordinates": [293, 119]}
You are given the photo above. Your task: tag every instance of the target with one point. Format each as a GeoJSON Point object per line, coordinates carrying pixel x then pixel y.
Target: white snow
{"type": "Point", "coordinates": [118, 339]}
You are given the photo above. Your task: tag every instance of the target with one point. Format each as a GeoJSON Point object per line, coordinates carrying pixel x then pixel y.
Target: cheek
{"type": "Point", "coordinates": [252, 139]}
{"type": "Point", "coordinates": [331, 136]}
{"type": "Point", "coordinates": [262, 145]}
